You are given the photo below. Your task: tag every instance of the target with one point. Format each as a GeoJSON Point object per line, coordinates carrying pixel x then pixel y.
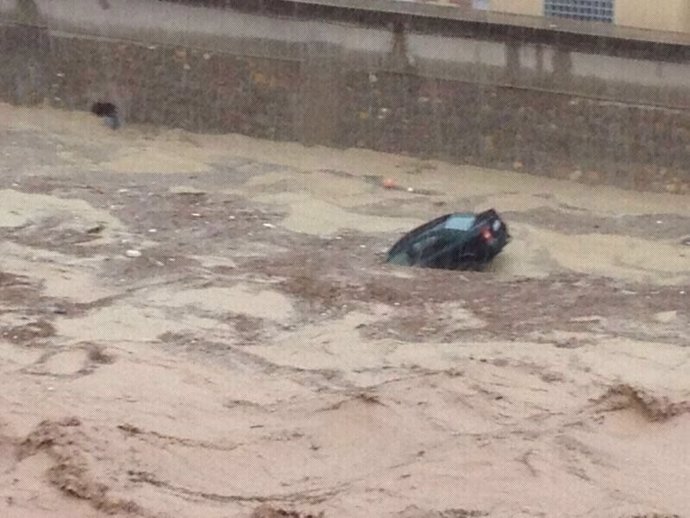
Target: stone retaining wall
{"type": "Point", "coordinates": [319, 94]}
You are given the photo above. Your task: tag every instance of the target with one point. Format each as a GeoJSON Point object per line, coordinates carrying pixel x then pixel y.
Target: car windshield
{"type": "Point", "coordinates": [459, 222]}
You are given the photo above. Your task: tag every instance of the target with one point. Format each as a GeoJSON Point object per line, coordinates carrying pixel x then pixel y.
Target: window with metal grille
{"type": "Point", "coordinates": [593, 10]}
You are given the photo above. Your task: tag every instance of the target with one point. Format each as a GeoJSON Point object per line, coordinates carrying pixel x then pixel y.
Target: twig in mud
{"type": "Point", "coordinates": [131, 430]}
{"type": "Point", "coordinates": [312, 496]}
{"type": "Point", "coordinates": [363, 397]}
{"type": "Point", "coordinates": [524, 459]}
{"type": "Point", "coordinates": [266, 511]}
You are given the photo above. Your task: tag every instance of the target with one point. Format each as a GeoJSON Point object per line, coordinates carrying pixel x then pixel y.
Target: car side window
{"type": "Point", "coordinates": [434, 248]}
{"type": "Point", "coordinates": [422, 246]}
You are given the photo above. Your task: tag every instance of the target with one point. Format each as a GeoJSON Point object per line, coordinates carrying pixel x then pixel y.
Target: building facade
{"type": "Point", "coordinates": [663, 15]}
{"type": "Point", "coordinates": [666, 15]}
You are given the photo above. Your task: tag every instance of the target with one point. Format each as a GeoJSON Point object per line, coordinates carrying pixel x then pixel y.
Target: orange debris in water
{"type": "Point", "coordinates": [389, 183]}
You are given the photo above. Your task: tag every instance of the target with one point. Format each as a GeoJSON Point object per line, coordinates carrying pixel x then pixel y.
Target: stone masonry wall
{"type": "Point", "coordinates": [185, 88]}
{"type": "Point", "coordinates": [549, 134]}
{"type": "Point", "coordinates": [333, 102]}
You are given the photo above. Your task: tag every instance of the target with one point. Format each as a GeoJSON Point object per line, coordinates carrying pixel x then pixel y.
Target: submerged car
{"type": "Point", "coordinates": [457, 241]}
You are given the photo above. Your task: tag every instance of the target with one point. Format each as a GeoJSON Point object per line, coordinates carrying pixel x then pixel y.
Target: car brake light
{"type": "Point", "coordinates": [486, 234]}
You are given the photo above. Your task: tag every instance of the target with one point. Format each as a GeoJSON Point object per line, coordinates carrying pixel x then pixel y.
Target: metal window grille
{"type": "Point", "coordinates": [593, 10]}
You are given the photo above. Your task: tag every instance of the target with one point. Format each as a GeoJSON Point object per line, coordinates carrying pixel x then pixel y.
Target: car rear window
{"type": "Point", "coordinates": [463, 222]}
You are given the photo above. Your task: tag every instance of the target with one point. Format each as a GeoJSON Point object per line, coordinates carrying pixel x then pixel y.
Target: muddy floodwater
{"type": "Point", "coordinates": [196, 325]}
